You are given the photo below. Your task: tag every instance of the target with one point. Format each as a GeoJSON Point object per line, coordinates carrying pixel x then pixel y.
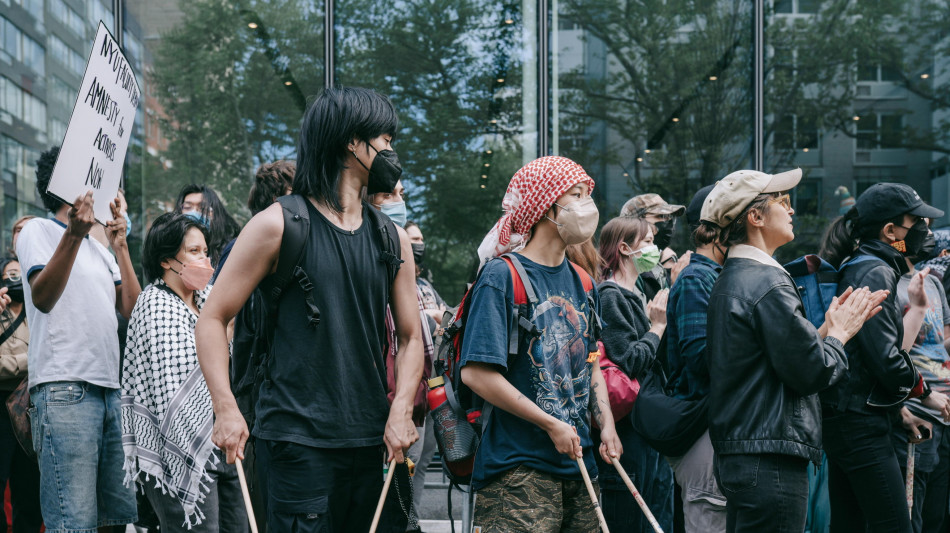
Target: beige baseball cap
{"type": "Point", "coordinates": [735, 192]}
{"type": "Point", "coordinates": [650, 204]}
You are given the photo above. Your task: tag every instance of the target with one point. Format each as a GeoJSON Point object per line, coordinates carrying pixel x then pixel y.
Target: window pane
{"type": "Point", "coordinates": [464, 84]}
{"type": "Point", "coordinates": [808, 198]}
{"type": "Point", "coordinates": [892, 131]}
{"type": "Point", "coordinates": [889, 41]}
{"type": "Point", "coordinates": [653, 97]}
{"type": "Point", "coordinates": [785, 133]}
{"type": "Point", "coordinates": [808, 6]}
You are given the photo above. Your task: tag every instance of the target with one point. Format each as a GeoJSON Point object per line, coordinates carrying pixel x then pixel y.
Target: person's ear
{"type": "Point", "coordinates": [888, 233]}
{"type": "Point", "coordinates": [625, 248]}
{"type": "Point", "coordinates": [352, 145]}
{"type": "Point", "coordinates": [755, 218]}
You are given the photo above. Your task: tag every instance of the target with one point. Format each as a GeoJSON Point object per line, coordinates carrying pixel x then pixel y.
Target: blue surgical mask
{"type": "Point", "coordinates": [128, 224]}
{"type": "Point", "coordinates": [395, 211]}
{"type": "Point", "coordinates": [199, 217]}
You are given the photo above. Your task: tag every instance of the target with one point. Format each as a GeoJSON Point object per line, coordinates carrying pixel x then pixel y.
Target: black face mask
{"type": "Point", "coordinates": [664, 233]}
{"type": "Point", "coordinates": [418, 252]}
{"type": "Point", "coordinates": [384, 172]}
{"type": "Point", "coordinates": [14, 290]}
{"type": "Point", "coordinates": [915, 239]}
{"type": "Point", "coordinates": [927, 249]}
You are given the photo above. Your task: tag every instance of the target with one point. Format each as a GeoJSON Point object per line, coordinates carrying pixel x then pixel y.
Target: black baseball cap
{"type": "Point", "coordinates": [884, 201]}
{"type": "Point", "coordinates": [695, 207]}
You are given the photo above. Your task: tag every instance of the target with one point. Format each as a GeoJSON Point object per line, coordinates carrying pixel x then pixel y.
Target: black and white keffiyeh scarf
{"type": "Point", "coordinates": [167, 415]}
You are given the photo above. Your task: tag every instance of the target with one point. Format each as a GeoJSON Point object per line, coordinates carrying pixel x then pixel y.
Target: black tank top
{"type": "Point", "coordinates": [326, 386]}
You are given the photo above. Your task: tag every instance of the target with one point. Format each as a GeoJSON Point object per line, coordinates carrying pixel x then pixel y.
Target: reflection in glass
{"type": "Point", "coordinates": [866, 79]}
{"type": "Point", "coordinates": [652, 97]}
{"type": "Point", "coordinates": [462, 76]}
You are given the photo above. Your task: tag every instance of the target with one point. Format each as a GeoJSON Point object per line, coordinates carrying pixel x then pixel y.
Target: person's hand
{"type": "Point", "coordinates": [656, 309]}
{"type": "Point", "coordinates": [610, 445]}
{"type": "Point", "coordinates": [400, 434]}
{"type": "Point", "coordinates": [915, 289]}
{"type": "Point", "coordinates": [115, 228]}
{"type": "Point", "coordinates": [679, 265]}
{"type": "Point", "coordinates": [938, 401]}
{"type": "Point", "coordinates": [565, 438]}
{"type": "Point", "coordinates": [847, 314]}
{"type": "Point", "coordinates": [4, 299]}
{"type": "Point", "coordinates": [230, 433]}
{"type": "Point", "coordinates": [918, 429]}
{"type": "Point", "coordinates": [81, 216]}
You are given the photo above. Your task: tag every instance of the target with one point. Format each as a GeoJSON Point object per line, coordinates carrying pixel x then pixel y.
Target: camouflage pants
{"type": "Point", "coordinates": [524, 499]}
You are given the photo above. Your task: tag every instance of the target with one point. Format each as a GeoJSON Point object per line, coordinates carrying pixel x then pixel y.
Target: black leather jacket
{"type": "Point", "coordinates": [874, 354]}
{"type": "Point", "coordinates": [766, 364]}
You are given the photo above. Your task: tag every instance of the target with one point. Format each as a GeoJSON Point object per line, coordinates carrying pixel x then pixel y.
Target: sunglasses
{"type": "Point", "coordinates": [784, 200]}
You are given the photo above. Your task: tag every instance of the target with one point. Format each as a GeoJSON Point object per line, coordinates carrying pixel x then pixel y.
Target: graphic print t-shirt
{"type": "Point", "coordinates": [929, 356]}
{"type": "Point", "coordinates": [552, 370]}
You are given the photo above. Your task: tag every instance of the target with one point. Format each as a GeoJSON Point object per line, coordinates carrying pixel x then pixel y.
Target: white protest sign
{"type": "Point", "coordinates": [97, 137]}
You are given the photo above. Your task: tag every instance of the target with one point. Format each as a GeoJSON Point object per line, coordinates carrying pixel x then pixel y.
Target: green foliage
{"type": "Point", "coordinates": [670, 77]}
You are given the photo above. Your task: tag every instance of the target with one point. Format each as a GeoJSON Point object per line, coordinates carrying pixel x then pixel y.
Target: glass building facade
{"type": "Point", "coordinates": [649, 96]}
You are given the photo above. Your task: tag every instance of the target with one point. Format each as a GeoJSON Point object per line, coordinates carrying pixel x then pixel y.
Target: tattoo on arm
{"type": "Point", "coordinates": [595, 408]}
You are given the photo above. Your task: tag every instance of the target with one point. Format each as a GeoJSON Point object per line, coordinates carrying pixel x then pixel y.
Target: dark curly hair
{"type": "Point", "coordinates": [164, 240]}
{"type": "Point", "coordinates": [44, 172]}
{"type": "Point", "coordinates": [271, 181]}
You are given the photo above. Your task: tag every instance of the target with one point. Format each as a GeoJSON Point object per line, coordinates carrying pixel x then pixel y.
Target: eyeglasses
{"type": "Point", "coordinates": [784, 200]}
{"type": "Point", "coordinates": [13, 276]}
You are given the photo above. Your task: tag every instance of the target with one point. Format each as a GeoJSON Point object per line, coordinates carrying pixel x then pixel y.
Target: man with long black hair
{"type": "Point", "coordinates": [201, 203]}
{"type": "Point", "coordinates": [322, 415]}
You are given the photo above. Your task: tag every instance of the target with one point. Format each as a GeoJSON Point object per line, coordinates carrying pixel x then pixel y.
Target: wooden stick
{"type": "Point", "coordinates": [247, 495]}
{"type": "Point", "coordinates": [909, 484]}
{"type": "Point", "coordinates": [636, 495]}
{"type": "Point", "coordinates": [593, 495]}
{"type": "Point", "coordinates": [382, 497]}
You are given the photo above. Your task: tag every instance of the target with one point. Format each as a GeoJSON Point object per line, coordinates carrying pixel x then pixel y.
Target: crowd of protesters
{"type": "Point", "coordinates": [131, 405]}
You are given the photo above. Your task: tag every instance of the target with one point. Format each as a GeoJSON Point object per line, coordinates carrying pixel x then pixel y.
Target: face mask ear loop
{"type": "Point", "coordinates": [179, 262]}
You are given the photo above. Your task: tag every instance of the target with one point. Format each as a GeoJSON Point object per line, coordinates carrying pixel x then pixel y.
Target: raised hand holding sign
{"type": "Point", "coordinates": [97, 138]}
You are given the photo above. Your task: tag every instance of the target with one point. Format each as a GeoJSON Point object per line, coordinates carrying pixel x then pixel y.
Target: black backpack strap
{"type": "Point", "coordinates": [292, 246]}
{"type": "Point", "coordinates": [392, 252]}
{"type": "Point", "coordinates": [7, 333]}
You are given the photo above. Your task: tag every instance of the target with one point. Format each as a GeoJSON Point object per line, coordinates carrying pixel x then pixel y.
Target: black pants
{"type": "Point", "coordinates": [325, 490]}
{"type": "Point", "coordinates": [764, 492]}
{"type": "Point", "coordinates": [864, 479]}
{"type": "Point", "coordinates": [24, 476]}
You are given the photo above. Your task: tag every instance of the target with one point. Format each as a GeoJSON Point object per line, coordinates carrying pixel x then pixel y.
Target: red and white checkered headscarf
{"type": "Point", "coordinates": [531, 193]}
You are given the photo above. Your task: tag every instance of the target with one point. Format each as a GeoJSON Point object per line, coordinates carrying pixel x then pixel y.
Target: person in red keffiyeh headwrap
{"type": "Point", "coordinates": [544, 395]}
{"type": "Point", "coordinates": [531, 193]}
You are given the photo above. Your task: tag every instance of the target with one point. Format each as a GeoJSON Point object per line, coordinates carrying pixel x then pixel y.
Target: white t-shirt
{"type": "Point", "coordinates": [77, 339]}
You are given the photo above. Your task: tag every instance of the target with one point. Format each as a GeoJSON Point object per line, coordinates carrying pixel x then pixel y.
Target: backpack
{"type": "Point", "coordinates": [255, 323]}
{"type": "Point", "coordinates": [817, 283]}
{"type": "Point", "coordinates": [459, 427]}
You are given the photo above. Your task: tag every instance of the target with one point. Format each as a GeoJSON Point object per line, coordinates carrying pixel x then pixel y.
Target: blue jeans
{"type": "Point", "coordinates": [77, 435]}
{"type": "Point", "coordinates": [764, 492]}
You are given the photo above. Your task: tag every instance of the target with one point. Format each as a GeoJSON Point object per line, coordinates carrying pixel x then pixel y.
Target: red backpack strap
{"type": "Point", "coordinates": [523, 293]}
{"type": "Point", "coordinates": [585, 277]}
